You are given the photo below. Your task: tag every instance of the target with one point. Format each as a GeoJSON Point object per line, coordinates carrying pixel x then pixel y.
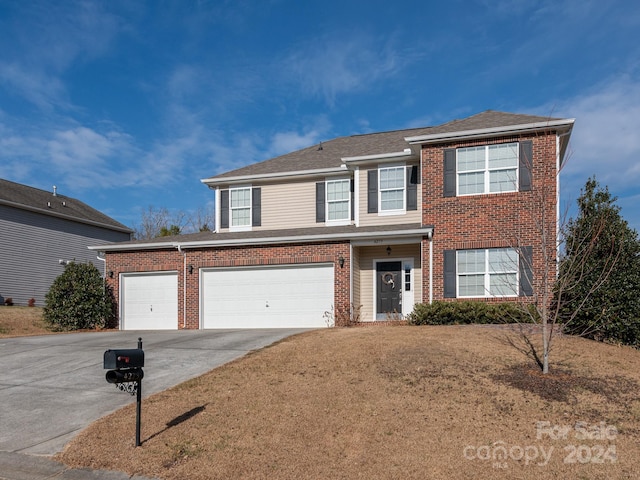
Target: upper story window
{"type": "Point", "coordinates": [487, 273]}
{"type": "Point", "coordinates": [391, 188]}
{"type": "Point", "coordinates": [506, 167]}
{"type": "Point", "coordinates": [240, 208]}
{"type": "Point", "coordinates": [338, 200]}
{"type": "Point", "coordinates": [487, 169]}
{"type": "Point", "coordinates": [334, 201]}
{"type": "Point", "coordinates": [240, 205]}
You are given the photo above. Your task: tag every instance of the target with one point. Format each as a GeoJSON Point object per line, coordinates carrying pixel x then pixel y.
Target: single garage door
{"type": "Point", "coordinates": [149, 301]}
{"type": "Point", "coordinates": [295, 296]}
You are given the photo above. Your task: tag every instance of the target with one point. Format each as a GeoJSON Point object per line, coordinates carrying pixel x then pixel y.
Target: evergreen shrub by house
{"type": "Point", "coordinates": [79, 298]}
{"type": "Point", "coordinates": [467, 313]}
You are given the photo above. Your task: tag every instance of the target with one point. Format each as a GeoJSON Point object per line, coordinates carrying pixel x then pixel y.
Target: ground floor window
{"type": "Point", "coordinates": [491, 272]}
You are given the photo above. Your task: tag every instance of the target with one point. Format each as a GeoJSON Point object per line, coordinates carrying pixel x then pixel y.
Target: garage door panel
{"type": "Point", "coordinates": [267, 297]}
{"type": "Point", "coordinates": [150, 301]}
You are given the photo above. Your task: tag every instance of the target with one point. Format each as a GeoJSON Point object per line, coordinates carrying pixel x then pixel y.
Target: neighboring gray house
{"type": "Point", "coordinates": [39, 232]}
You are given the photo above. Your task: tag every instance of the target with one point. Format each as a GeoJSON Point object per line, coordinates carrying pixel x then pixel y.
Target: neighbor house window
{"type": "Point", "coordinates": [338, 200]}
{"type": "Point", "coordinates": [487, 273]}
{"type": "Point", "coordinates": [240, 206]}
{"type": "Point", "coordinates": [487, 169]}
{"type": "Point", "coordinates": [392, 188]}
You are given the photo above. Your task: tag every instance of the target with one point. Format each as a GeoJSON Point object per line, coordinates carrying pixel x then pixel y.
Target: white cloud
{"type": "Point", "coordinates": [46, 39]}
{"type": "Point", "coordinates": [605, 139]}
{"type": "Point", "coordinates": [604, 143]}
{"type": "Point", "coordinates": [336, 64]}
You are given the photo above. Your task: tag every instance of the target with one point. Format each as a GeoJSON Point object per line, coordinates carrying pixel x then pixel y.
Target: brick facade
{"type": "Point", "coordinates": [173, 260]}
{"type": "Point", "coordinates": [496, 220]}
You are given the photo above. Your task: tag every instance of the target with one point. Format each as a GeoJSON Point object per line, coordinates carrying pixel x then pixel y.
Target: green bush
{"type": "Point", "coordinates": [79, 298]}
{"type": "Point", "coordinates": [468, 312]}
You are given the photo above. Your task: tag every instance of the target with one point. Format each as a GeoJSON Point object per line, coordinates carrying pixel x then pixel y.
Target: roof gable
{"type": "Point", "coordinates": [48, 203]}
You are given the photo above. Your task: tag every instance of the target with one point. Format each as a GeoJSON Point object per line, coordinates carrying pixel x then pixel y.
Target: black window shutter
{"type": "Point", "coordinates": [526, 271]}
{"type": "Point", "coordinates": [320, 193]}
{"type": "Point", "coordinates": [372, 191]}
{"type": "Point", "coordinates": [412, 188]}
{"type": "Point", "coordinates": [449, 274]}
{"type": "Point", "coordinates": [353, 197]}
{"type": "Point", "coordinates": [224, 209]}
{"type": "Point", "coordinates": [256, 207]}
{"type": "Point", "coordinates": [450, 172]}
{"type": "Point", "coordinates": [526, 165]}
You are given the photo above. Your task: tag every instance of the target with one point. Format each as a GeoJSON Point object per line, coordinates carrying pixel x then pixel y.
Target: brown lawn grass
{"type": "Point", "coordinates": [386, 402]}
{"type": "Point", "coordinates": [22, 321]}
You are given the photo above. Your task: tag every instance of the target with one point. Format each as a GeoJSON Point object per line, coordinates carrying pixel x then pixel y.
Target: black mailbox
{"type": "Point", "coordinates": [129, 358]}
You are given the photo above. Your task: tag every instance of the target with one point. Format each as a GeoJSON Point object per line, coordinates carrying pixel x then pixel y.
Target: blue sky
{"type": "Point", "coordinates": [126, 105]}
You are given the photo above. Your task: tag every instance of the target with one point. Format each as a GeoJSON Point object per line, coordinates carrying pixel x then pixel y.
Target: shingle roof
{"type": "Point", "coordinates": [41, 201]}
{"type": "Point", "coordinates": [332, 151]}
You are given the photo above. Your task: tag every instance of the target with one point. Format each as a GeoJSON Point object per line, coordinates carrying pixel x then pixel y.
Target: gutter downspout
{"type": "Point", "coordinates": [184, 286]}
{"type": "Point", "coordinates": [431, 268]}
{"type": "Point", "coordinates": [104, 269]}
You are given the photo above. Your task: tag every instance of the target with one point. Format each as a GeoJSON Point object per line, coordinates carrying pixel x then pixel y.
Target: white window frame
{"type": "Point", "coordinates": [512, 269]}
{"type": "Point", "coordinates": [487, 170]}
{"type": "Point", "coordinates": [232, 225]}
{"type": "Point", "coordinates": [327, 202]}
{"type": "Point", "coordinates": [394, 211]}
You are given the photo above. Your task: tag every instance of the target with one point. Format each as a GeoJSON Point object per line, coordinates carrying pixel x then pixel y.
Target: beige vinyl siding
{"type": "Point", "coordinates": [288, 205]}
{"type": "Point", "coordinates": [372, 219]}
{"type": "Point", "coordinates": [366, 273]}
{"type": "Point", "coordinates": [355, 272]}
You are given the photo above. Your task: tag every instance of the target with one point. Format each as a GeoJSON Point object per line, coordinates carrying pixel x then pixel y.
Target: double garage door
{"type": "Point", "coordinates": [295, 296]}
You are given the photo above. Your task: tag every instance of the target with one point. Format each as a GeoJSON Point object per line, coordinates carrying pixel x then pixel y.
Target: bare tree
{"type": "Point", "coordinates": [154, 220]}
{"type": "Point", "coordinates": [539, 268]}
{"type": "Point", "coordinates": [158, 222]}
{"type": "Point", "coordinates": [202, 220]}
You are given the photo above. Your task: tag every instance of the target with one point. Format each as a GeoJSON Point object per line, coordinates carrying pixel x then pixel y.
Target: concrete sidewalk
{"type": "Point", "coordinates": [19, 466]}
{"type": "Point", "coordinates": [53, 386]}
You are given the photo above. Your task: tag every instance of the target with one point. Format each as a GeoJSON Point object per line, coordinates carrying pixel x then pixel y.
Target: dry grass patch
{"type": "Point", "coordinates": [22, 321]}
{"type": "Point", "coordinates": [387, 402]}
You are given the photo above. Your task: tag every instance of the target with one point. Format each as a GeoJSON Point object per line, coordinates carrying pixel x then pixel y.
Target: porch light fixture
{"type": "Point", "coordinates": [341, 261]}
{"type": "Point", "coordinates": [190, 269]}
{"type": "Point", "coordinates": [110, 273]}
{"type": "Point", "coordinates": [388, 250]}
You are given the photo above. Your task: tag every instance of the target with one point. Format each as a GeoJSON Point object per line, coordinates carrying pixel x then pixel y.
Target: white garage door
{"type": "Point", "coordinates": [295, 296]}
{"type": "Point", "coordinates": [149, 301]}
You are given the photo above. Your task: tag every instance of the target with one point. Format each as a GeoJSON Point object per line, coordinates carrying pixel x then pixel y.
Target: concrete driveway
{"type": "Point", "coordinates": [53, 386]}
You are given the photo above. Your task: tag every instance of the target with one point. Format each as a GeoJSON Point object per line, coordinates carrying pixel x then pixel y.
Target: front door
{"type": "Point", "coordinates": [388, 290]}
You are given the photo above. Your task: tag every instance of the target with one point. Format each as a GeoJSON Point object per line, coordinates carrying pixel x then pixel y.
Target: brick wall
{"type": "Point", "coordinates": [514, 220]}
{"type": "Point", "coordinates": [173, 260]}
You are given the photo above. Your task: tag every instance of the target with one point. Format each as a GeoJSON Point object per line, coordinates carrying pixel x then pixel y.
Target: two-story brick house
{"type": "Point", "coordinates": [376, 222]}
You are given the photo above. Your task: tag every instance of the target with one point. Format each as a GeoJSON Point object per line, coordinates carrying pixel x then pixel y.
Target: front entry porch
{"type": "Point", "coordinates": [387, 280]}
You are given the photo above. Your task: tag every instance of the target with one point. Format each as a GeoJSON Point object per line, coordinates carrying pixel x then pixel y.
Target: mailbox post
{"type": "Point", "coordinates": [125, 371]}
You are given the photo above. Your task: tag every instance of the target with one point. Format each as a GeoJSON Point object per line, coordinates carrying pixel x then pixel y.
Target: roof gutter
{"type": "Point", "coordinates": [213, 182]}
{"type": "Point", "coordinates": [566, 124]}
{"type": "Point", "coordinates": [407, 153]}
{"type": "Point", "coordinates": [357, 236]}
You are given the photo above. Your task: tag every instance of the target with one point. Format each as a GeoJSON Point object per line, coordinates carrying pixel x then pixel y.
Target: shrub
{"type": "Point", "coordinates": [466, 313]}
{"type": "Point", "coordinates": [79, 298]}
{"type": "Point", "coordinates": [8, 302]}
{"type": "Point", "coordinates": [342, 317]}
